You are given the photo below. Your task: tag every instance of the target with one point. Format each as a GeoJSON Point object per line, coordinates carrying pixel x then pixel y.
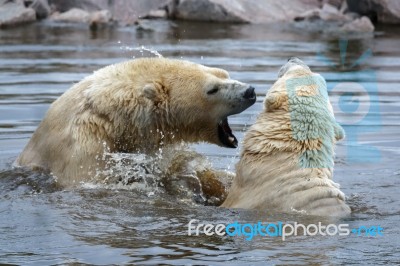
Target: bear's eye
{"type": "Point", "coordinates": [213, 91]}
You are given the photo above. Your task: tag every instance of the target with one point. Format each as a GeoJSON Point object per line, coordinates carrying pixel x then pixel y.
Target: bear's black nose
{"type": "Point", "coordinates": [249, 93]}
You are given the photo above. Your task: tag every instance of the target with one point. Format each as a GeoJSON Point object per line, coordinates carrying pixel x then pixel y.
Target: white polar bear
{"type": "Point", "coordinates": [134, 106]}
{"type": "Point", "coordinates": [287, 158]}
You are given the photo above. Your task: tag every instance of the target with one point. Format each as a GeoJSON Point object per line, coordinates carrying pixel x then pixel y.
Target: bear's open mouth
{"type": "Point", "coordinates": [225, 134]}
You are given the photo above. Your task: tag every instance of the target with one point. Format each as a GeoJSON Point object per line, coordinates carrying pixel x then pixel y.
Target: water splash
{"type": "Point", "coordinates": [141, 49]}
{"type": "Point", "coordinates": [176, 170]}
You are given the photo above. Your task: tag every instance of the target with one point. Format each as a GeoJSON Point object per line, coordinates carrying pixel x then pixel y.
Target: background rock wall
{"type": "Point", "coordinates": [351, 15]}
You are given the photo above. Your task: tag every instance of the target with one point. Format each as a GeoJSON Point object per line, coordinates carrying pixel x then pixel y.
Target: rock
{"type": "Point", "coordinates": [327, 13]}
{"type": "Point", "coordinates": [352, 16]}
{"type": "Point", "coordinates": [240, 11]}
{"type": "Point", "coordinates": [77, 15]}
{"type": "Point", "coordinates": [14, 13]}
{"type": "Point", "coordinates": [210, 10]}
{"type": "Point", "coordinates": [330, 19]}
{"type": "Point", "coordinates": [343, 8]}
{"type": "Point", "coordinates": [144, 26]}
{"type": "Point", "coordinates": [362, 24]}
{"type": "Point", "coordinates": [309, 15]}
{"type": "Point", "coordinates": [74, 15]}
{"type": "Point", "coordinates": [41, 8]}
{"type": "Point", "coordinates": [127, 12]}
{"type": "Point", "coordinates": [331, 13]}
{"type": "Point", "coordinates": [335, 3]}
{"type": "Point", "coordinates": [66, 5]}
{"type": "Point", "coordinates": [157, 14]}
{"type": "Point", "coordinates": [382, 11]}
{"type": "Point", "coordinates": [100, 17]}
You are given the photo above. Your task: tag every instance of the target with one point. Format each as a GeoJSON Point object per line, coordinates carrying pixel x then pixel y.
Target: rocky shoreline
{"type": "Point", "coordinates": [336, 15]}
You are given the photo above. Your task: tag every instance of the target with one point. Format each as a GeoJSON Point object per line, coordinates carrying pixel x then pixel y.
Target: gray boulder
{"type": "Point", "coordinates": [41, 8]}
{"type": "Point", "coordinates": [331, 13]}
{"type": "Point", "coordinates": [76, 15]}
{"type": "Point", "coordinates": [382, 11]}
{"type": "Point", "coordinates": [66, 5]}
{"type": "Point", "coordinates": [157, 14]}
{"type": "Point", "coordinates": [361, 25]}
{"type": "Point", "coordinates": [210, 10]}
{"type": "Point", "coordinates": [335, 3]}
{"type": "Point", "coordinates": [333, 19]}
{"type": "Point", "coordinates": [240, 11]}
{"type": "Point", "coordinates": [125, 12]}
{"type": "Point", "coordinates": [14, 13]}
{"type": "Point", "coordinates": [100, 17]}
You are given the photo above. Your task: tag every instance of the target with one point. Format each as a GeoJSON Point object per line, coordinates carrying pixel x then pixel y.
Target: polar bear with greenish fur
{"type": "Point", "coordinates": [134, 106]}
{"type": "Point", "coordinates": [286, 163]}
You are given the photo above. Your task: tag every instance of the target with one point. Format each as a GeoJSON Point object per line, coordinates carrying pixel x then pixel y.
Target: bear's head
{"type": "Point", "coordinates": [196, 100]}
{"type": "Point", "coordinates": [299, 108]}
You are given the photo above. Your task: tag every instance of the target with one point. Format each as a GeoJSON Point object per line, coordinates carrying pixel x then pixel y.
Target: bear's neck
{"type": "Point", "coordinates": [160, 130]}
{"type": "Point", "coordinates": [270, 137]}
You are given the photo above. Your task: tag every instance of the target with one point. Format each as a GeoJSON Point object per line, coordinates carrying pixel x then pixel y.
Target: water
{"type": "Point", "coordinates": [41, 224]}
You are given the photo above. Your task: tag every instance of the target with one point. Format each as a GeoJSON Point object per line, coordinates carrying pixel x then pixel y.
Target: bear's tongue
{"type": "Point", "coordinates": [225, 134]}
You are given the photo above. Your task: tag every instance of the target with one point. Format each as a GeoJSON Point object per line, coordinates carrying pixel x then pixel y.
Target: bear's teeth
{"type": "Point", "coordinates": [231, 139]}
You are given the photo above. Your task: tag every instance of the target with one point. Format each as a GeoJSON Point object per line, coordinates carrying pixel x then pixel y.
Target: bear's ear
{"type": "Point", "coordinates": [150, 92]}
{"type": "Point", "coordinates": [155, 92]}
{"type": "Point", "coordinates": [274, 101]}
{"type": "Point", "coordinates": [219, 73]}
{"type": "Point", "coordinates": [269, 103]}
{"type": "Point", "coordinates": [339, 131]}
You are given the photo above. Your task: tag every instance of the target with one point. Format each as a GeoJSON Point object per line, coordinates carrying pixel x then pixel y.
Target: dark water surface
{"type": "Point", "coordinates": [41, 224]}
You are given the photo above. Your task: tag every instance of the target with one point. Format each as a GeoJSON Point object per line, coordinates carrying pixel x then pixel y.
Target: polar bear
{"type": "Point", "coordinates": [286, 163]}
{"type": "Point", "coordinates": [134, 106]}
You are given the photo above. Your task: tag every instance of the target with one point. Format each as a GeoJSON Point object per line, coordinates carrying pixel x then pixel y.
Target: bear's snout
{"type": "Point", "coordinates": [249, 94]}
{"type": "Point", "coordinates": [292, 62]}
{"type": "Point", "coordinates": [295, 60]}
